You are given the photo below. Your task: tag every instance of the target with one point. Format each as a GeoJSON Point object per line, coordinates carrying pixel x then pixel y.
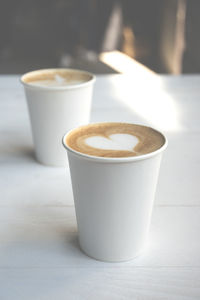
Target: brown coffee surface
{"type": "Point", "coordinates": [149, 140]}
{"type": "Point", "coordinates": [56, 77]}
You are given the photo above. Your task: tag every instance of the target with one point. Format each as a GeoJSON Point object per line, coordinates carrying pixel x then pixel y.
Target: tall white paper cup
{"type": "Point", "coordinates": [53, 111]}
{"type": "Point", "coordinates": [113, 201]}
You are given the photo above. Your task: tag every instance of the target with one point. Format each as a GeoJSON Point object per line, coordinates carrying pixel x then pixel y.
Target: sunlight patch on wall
{"type": "Point", "coordinates": [122, 63]}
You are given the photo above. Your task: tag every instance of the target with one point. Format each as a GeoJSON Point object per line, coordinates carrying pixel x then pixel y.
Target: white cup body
{"type": "Point", "coordinates": [113, 201]}
{"type": "Point", "coordinates": [53, 111]}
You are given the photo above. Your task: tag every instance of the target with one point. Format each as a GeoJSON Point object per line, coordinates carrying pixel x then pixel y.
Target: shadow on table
{"type": "Point", "coordinates": [40, 237]}
{"type": "Point", "coordinates": [12, 152]}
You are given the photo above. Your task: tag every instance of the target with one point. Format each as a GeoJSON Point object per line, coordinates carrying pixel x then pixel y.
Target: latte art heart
{"type": "Point", "coordinates": [118, 141]}
{"type": "Point", "coordinates": [114, 139]}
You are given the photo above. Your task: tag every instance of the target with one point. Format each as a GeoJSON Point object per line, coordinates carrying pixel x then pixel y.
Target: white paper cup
{"type": "Point", "coordinates": [113, 201]}
{"type": "Point", "coordinates": [53, 111]}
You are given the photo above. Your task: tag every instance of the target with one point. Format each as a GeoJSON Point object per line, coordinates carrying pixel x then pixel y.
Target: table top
{"type": "Point", "coordinates": [39, 253]}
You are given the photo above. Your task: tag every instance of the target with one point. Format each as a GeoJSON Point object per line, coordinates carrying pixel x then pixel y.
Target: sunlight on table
{"type": "Point", "coordinates": [143, 91]}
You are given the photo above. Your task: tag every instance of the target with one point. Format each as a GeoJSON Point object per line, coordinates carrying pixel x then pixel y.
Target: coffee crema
{"type": "Point", "coordinates": [114, 140]}
{"type": "Point", "coordinates": [56, 77]}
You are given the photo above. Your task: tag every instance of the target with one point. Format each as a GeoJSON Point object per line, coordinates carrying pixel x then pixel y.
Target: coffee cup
{"type": "Point", "coordinates": [114, 171]}
{"type": "Point", "coordinates": [58, 100]}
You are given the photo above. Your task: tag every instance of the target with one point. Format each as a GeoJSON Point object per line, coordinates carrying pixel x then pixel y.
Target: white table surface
{"type": "Point", "coordinates": [39, 254]}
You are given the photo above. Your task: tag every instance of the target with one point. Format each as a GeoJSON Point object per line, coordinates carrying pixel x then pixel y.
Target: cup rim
{"type": "Point", "coordinates": [56, 88]}
{"type": "Point", "coordinates": [114, 159]}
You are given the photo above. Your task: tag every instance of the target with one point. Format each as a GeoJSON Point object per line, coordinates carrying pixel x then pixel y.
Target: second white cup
{"type": "Point", "coordinates": [53, 110]}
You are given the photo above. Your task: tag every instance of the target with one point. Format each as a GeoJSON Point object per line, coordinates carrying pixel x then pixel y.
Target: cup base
{"type": "Point", "coordinates": [62, 164]}
{"type": "Point", "coordinates": [120, 260]}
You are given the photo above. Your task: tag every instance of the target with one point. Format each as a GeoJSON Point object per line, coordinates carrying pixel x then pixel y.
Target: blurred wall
{"type": "Point", "coordinates": [47, 33]}
{"type": "Point", "coordinates": [191, 59]}
{"type": "Point", "coordinates": [172, 36]}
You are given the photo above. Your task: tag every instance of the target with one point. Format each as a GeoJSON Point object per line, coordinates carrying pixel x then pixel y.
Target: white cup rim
{"type": "Point", "coordinates": [56, 88]}
{"type": "Point", "coordinates": [115, 159]}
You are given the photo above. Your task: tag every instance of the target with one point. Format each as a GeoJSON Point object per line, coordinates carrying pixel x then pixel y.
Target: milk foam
{"type": "Point", "coordinates": [115, 139]}
{"type": "Point", "coordinates": [119, 141]}
{"type": "Point", "coordinates": [56, 81]}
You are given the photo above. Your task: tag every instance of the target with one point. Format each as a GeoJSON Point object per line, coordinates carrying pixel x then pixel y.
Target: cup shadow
{"type": "Point", "coordinates": [17, 152]}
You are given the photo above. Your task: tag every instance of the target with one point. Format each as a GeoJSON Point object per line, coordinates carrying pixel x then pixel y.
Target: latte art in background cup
{"type": "Point", "coordinates": [58, 100]}
{"type": "Point", "coordinates": [114, 170]}
{"type": "Point", "coordinates": [56, 78]}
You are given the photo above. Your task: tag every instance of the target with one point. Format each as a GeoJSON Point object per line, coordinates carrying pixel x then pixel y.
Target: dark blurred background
{"type": "Point", "coordinates": [162, 35]}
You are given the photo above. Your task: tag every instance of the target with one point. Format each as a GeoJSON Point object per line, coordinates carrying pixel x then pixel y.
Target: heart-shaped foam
{"type": "Point", "coordinates": [118, 141]}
